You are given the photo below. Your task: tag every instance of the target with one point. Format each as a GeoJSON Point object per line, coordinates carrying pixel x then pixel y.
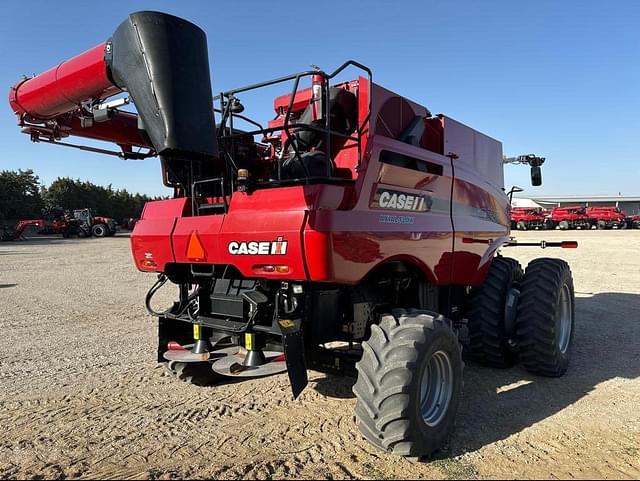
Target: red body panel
{"type": "Point", "coordinates": [336, 233]}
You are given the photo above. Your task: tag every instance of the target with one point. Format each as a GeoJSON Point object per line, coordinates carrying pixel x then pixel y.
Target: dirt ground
{"type": "Point", "coordinates": [81, 395]}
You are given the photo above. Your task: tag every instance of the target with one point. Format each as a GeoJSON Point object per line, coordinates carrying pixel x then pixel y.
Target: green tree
{"type": "Point", "coordinates": [76, 194]}
{"type": "Point", "coordinates": [20, 196]}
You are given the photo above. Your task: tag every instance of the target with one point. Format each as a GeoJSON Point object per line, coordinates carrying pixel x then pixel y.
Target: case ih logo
{"type": "Point", "coordinates": [265, 248]}
{"type": "Point", "coordinates": [394, 200]}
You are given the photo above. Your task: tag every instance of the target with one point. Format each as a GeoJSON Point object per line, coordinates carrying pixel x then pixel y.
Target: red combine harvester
{"type": "Point", "coordinates": [566, 218]}
{"type": "Point", "coordinates": [527, 218]}
{"type": "Point", "coordinates": [607, 217]}
{"type": "Point", "coordinates": [354, 233]}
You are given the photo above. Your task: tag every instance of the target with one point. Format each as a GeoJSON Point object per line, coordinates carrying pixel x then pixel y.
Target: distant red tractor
{"type": "Point", "coordinates": [528, 218]}
{"type": "Point", "coordinates": [98, 226]}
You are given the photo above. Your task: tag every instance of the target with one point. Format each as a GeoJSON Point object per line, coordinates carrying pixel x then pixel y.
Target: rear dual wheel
{"type": "Point", "coordinates": [492, 313]}
{"type": "Point", "coordinates": [546, 317]}
{"type": "Point", "coordinates": [530, 316]}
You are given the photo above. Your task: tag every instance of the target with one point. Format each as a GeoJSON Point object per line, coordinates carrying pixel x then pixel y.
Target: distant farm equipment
{"type": "Point", "coordinates": [572, 217]}
{"type": "Point", "coordinates": [78, 223]}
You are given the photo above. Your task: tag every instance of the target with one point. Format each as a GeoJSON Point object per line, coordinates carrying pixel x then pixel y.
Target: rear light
{"type": "Point", "coordinates": [271, 269]}
{"type": "Point", "coordinates": [148, 263]}
{"type": "Point", "coordinates": [569, 244]}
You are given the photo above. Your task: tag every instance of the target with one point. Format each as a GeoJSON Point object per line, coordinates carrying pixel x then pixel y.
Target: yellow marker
{"type": "Point", "coordinates": [196, 332]}
{"type": "Point", "coordinates": [248, 341]}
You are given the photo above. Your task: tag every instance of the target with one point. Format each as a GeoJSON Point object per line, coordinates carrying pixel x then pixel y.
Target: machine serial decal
{"type": "Point", "coordinates": [394, 200]}
{"type": "Point", "coordinates": [262, 248]}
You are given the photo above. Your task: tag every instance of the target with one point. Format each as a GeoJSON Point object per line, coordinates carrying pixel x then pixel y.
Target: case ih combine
{"type": "Point", "coordinates": [580, 217]}
{"type": "Point", "coordinates": [607, 217]}
{"type": "Point", "coordinates": [527, 218]}
{"type": "Point", "coordinates": [355, 232]}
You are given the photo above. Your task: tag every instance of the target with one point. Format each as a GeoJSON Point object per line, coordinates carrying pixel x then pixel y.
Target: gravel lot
{"type": "Point", "coordinates": [81, 395]}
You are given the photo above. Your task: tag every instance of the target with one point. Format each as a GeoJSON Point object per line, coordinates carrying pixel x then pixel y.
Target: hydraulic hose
{"type": "Point", "coordinates": [172, 312]}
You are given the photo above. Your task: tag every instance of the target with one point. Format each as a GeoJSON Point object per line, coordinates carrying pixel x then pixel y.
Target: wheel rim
{"type": "Point", "coordinates": [564, 319]}
{"type": "Point", "coordinates": [436, 388]}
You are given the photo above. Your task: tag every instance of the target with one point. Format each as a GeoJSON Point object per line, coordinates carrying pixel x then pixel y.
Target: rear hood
{"type": "Point", "coordinates": [259, 243]}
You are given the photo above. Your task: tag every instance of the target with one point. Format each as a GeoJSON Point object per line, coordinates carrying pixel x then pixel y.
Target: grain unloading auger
{"type": "Point", "coordinates": [356, 233]}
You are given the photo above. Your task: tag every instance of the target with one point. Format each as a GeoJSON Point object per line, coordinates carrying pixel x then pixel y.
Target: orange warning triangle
{"type": "Point", "coordinates": [195, 250]}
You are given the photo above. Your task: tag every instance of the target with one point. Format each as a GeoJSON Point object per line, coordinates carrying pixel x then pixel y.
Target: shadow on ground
{"type": "Point", "coordinates": [498, 403]}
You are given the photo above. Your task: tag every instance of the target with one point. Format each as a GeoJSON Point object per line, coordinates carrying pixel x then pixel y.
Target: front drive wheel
{"type": "Point", "coordinates": [409, 383]}
{"type": "Point", "coordinates": [546, 317]}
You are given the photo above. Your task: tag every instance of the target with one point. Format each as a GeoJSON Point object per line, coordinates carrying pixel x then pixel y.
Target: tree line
{"type": "Point", "coordinates": [23, 197]}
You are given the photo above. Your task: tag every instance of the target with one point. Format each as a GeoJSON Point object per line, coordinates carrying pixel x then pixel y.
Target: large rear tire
{"type": "Point", "coordinates": [409, 383]}
{"type": "Point", "coordinates": [546, 317]}
{"type": "Point", "coordinates": [492, 314]}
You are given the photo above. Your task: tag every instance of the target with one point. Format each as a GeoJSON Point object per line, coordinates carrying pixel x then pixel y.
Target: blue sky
{"type": "Point", "coordinates": [557, 78]}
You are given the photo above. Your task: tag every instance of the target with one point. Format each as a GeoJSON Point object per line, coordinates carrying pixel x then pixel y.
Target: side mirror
{"type": "Point", "coordinates": [536, 175]}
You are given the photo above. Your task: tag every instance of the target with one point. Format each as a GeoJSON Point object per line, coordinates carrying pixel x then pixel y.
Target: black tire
{"type": "Point", "coordinates": [602, 225]}
{"type": "Point", "coordinates": [522, 225]}
{"type": "Point", "coordinates": [491, 325]}
{"type": "Point", "coordinates": [196, 373]}
{"type": "Point", "coordinates": [100, 230]}
{"type": "Point", "coordinates": [544, 349]}
{"type": "Point", "coordinates": [549, 224]}
{"type": "Point", "coordinates": [390, 375]}
{"type": "Point", "coordinates": [564, 225]}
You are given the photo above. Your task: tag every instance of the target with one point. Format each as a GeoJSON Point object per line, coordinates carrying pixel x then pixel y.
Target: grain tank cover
{"type": "Point", "coordinates": [162, 61]}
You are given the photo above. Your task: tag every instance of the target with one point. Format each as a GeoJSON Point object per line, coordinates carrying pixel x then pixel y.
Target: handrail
{"type": "Point", "coordinates": [227, 113]}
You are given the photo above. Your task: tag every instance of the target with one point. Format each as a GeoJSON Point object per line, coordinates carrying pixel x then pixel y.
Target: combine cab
{"type": "Point", "coordinates": [355, 232]}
